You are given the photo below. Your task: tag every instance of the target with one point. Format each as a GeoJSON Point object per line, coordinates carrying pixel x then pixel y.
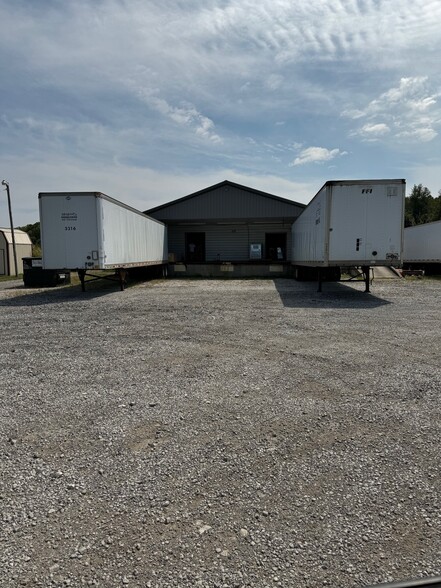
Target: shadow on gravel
{"type": "Point", "coordinates": [335, 295]}
{"type": "Point", "coordinates": [26, 297]}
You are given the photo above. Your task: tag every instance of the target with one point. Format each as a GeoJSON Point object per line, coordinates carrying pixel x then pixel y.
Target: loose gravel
{"type": "Point", "coordinates": [220, 434]}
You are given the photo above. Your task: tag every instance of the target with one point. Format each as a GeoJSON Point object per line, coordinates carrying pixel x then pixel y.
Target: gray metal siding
{"type": "Point", "coordinates": [229, 242]}
{"type": "Point", "coordinates": [257, 234]}
{"type": "Point", "coordinates": [176, 242]}
{"type": "Point", "coordinates": [228, 202]}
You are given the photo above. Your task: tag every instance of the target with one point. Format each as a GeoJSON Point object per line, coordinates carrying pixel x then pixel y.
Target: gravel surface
{"type": "Point", "coordinates": [220, 434]}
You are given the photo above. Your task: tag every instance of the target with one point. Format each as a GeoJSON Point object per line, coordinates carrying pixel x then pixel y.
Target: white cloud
{"type": "Point", "coordinates": [31, 124]}
{"type": "Point", "coordinates": [53, 137]}
{"type": "Point", "coordinates": [408, 110]}
{"type": "Point", "coordinates": [409, 94]}
{"type": "Point", "coordinates": [408, 88]}
{"type": "Point", "coordinates": [423, 134]}
{"type": "Point", "coordinates": [274, 82]}
{"type": "Point", "coordinates": [216, 45]}
{"type": "Point", "coordinates": [317, 155]}
{"type": "Point", "coordinates": [354, 114]}
{"type": "Point", "coordinates": [423, 104]}
{"type": "Point", "coordinates": [179, 86]}
{"type": "Point", "coordinates": [378, 129]}
{"type": "Point", "coordinates": [186, 114]}
{"type": "Point", "coordinates": [372, 132]}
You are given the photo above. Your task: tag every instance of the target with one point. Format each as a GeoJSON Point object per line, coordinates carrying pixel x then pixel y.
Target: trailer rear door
{"type": "Point", "coordinates": [69, 230]}
{"type": "Point", "coordinates": [366, 223]}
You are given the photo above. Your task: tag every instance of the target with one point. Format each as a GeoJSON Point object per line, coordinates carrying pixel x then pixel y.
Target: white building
{"type": "Point", "coordinates": [23, 246]}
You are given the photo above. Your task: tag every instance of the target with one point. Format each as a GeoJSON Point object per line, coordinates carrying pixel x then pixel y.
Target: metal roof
{"type": "Point", "coordinates": [225, 183]}
{"type": "Point", "coordinates": [21, 237]}
{"type": "Point", "coordinates": [226, 202]}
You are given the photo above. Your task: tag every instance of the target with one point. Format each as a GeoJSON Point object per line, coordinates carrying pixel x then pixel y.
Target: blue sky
{"type": "Point", "coordinates": [148, 101]}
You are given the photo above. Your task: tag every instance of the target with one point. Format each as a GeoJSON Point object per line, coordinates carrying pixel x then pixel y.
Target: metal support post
{"type": "Point", "coordinates": [82, 276]}
{"type": "Point", "coordinates": [122, 274]}
{"type": "Point", "coordinates": [319, 277]}
{"type": "Point", "coordinates": [14, 249]}
{"type": "Point", "coordinates": [366, 271]}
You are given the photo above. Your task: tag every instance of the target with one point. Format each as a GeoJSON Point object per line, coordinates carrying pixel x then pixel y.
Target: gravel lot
{"type": "Point", "coordinates": [220, 434]}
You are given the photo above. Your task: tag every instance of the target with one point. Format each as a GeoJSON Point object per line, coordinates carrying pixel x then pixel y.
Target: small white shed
{"type": "Point", "coordinates": [23, 246]}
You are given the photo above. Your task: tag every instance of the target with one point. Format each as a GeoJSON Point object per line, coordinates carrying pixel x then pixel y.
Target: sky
{"type": "Point", "coordinates": [148, 101]}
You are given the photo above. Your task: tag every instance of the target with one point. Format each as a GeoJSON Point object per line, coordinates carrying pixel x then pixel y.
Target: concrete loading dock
{"type": "Point", "coordinates": [229, 230]}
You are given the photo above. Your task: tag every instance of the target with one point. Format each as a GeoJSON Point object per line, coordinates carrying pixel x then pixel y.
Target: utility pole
{"type": "Point", "coordinates": [14, 249]}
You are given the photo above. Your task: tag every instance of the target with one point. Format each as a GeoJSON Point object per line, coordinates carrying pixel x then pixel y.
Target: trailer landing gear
{"type": "Point", "coordinates": [366, 273]}
{"type": "Point", "coordinates": [327, 274]}
{"type": "Point", "coordinates": [119, 276]}
{"type": "Point", "coordinates": [319, 279]}
{"type": "Point", "coordinates": [334, 275]}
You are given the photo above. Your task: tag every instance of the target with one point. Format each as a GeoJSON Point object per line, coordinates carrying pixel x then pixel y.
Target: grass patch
{"type": "Point", "coordinates": [10, 278]}
{"type": "Point", "coordinates": [416, 278]}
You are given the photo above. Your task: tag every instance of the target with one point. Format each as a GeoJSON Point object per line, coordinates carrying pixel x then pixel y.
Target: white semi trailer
{"type": "Point", "coordinates": [349, 223]}
{"type": "Point", "coordinates": [87, 231]}
{"type": "Point", "coordinates": [422, 247]}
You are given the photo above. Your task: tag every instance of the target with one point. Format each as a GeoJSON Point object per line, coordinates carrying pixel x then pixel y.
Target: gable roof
{"type": "Point", "coordinates": [20, 237]}
{"type": "Point", "coordinates": [209, 207]}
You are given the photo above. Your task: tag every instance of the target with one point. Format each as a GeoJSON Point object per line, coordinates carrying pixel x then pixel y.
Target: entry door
{"type": "Point", "coordinates": [194, 247]}
{"type": "Point", "coordinates": [275, 246]}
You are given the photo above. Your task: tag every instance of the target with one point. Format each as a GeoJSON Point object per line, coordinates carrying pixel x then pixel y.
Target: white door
{"type": "Point", "coordinates": [69, 233]}
{"type": "Point", "coordinates": [366, 222]}
{"type": "Point", "coordinates": [348, 223]}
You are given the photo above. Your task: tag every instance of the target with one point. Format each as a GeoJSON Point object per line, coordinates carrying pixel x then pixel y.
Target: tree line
{"type": "Point", "coordinates": [421, 207]}
{"type": "Point", "coordinates": [33, 230]}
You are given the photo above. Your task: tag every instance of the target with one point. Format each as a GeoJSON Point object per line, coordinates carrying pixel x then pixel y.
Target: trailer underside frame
{"type": "Point", "coordinates": [119, 276]}
{"type": "Point", "coordinates": [365, 272]}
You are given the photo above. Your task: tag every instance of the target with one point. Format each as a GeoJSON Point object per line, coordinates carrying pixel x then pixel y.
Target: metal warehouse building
{"type": "Point", "coordinates": [23, 246]}
{"type": "Point", "coordinates": [229, 228]}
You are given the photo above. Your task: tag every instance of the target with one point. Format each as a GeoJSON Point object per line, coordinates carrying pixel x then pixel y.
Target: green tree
{"type": "Point", "coordinates": [418, 206]}
{"type": "Point", "coordinates": [33, 230]}
{"type": "Point", "coordinates": [436, 208]}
